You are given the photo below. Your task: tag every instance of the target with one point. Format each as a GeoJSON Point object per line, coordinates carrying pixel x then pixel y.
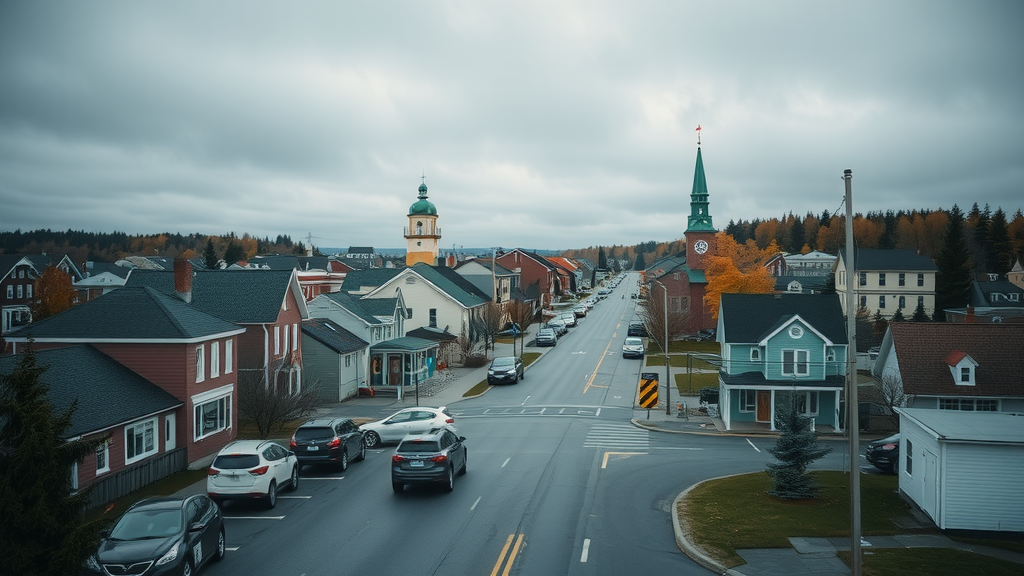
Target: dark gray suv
{"type": "Point", "coordinates": [435, 457]}
{"type": "Point", "coordinates": [328, 441]}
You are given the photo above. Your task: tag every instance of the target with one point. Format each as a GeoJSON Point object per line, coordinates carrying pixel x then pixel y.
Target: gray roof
{"type": "Point", "coordinates": [996, 293]}
{"type": "Point", "coordinates": [93, 268]}
{"type": "Point", "coordinates": [404, 344]}
{"type": "Point", "coordinates": [962, 426]}
{"type": "Point", "coordinates": [240, 296]}
{"type": "Point", "coordinates": [107, 392]}
{"type": "Point", "coordinates": [890, 261]}
{"type": "Point", "coordinates": [128, 314]}
{"type": "Point", "coordinates": [367, 277]}
{"type": "Point", "coordinates": [333, 335]}
{"type": "Point", "coordinates": [453, 284]}
{"type": "Point", "coordinates": [366, 309]}
{"type": "Point", "coordinates": [749, 318]}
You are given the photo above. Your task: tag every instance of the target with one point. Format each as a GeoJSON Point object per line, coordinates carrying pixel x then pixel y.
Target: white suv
{"type": "Point", "coordinates": [247, 469]}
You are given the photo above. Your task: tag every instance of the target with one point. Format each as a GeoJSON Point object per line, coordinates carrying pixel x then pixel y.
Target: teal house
{"type": "Point", "coordinates": [779, 349]}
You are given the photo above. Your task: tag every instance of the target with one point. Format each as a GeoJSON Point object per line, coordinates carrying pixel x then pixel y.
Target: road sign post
{"type": "Point", "coordinates": [647, 391]}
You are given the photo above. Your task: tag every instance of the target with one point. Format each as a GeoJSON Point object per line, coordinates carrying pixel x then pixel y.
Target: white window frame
{"type": "Point", "coordinates": [200, 363]}
{"type": "Point", "coordinates": [221, 399]}
{"type": "Point", "coordinates": [277, 340]}
{"type": "Point", "coordinates": [20, 291]}
{"type": "Point", "coordinates": [229, 349]}
{"type": "Point", "coordinates": [748, 400]}
{"type": "Point", "coordinates": [150, 445]}
{"type": "Point", "coordinates": [28, 290]}
{"type": "Point", "coordinates": [796, 362]}
{"type": "Point", "coordinates": [10, 291]}
{"type": "Point", "coordinates": [755, 354]}
{"type": "Point", "coordinates": [295, 337]}
{"type": "Point", "coordinates": [104, 449]}
{"type": "Point", "coordinates": [284, 349]}
{"type": "Point", "coordinates": [214, 359]}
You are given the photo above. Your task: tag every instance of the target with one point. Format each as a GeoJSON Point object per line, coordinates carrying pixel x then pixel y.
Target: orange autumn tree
{"type": "Point", "coordinates": [54, 293]}
{"type": "Point", "coordinates": [737, 269]}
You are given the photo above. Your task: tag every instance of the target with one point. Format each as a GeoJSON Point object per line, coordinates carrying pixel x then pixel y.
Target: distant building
{"type": "Point", "coordinates": [422, 235]}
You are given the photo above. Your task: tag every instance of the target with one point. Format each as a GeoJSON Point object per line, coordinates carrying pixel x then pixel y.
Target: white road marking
{"type": "Point", "coordinates": [254, 517]}
{"type": "Point", "coordinates": [322, 477]}
{"type": "Point", "coordinates": [586, 550]}
{"type": "Point", "coordinates": [473, 507]}
{"type": "Point", "coordinates": [235, 549]}
{"type": "Point", "coordinates": [752, 445]}
{"type": "Point", "coordinates": [296, 497]}
{"type": "Point", "coordinates": [506, 461]}
{"type": "Point", "coordinates": [525, 401]}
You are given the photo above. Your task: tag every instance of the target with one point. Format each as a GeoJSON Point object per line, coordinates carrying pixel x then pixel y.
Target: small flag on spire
{"type": "Point", "coordinates": [698, 127]}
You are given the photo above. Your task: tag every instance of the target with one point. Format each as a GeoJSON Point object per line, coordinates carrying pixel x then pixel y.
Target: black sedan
{"type": "Point", "coordinates": [161, 536]}
{"type": "Point", "coordinates": [432, 458]}
{"type": "Point", "coordinates": [505, 370]}
{"type": "Point", "coordinates": [336, 441]}
{"type": "Point", "coordinates": [884, 454]}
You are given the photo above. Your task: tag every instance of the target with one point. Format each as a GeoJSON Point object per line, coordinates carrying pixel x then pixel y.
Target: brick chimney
{"type": "Point", "coordinates": [183, 279]}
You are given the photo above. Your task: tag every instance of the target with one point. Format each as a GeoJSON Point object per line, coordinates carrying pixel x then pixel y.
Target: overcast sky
{"type": "Point", "coordinates": [537, 124]}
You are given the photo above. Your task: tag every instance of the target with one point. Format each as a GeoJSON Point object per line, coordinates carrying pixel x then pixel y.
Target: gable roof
{"type": "Point", "coordinates": [889, 260]}
{"type": "Point", "coordinates": [108, 393]}
{"type": "Point", "coordinates": [332, 335]}
{"type": "Point", "coordinates": [455, 284]}
{"type": "Point", "coordinates": [239, 296]}
{"type": "Point", "coordinates": [369, 310]}
{"type": "Point", "coordinates": [996, 294]}
{"type": "Point", "coordinates": [748, 318]}
{"type": "Point", "coordinates": [367, 278]}
{"type": "Point", "coordinates": [923, 347]}
{"type": "Point", "coordinates": [128, 314]}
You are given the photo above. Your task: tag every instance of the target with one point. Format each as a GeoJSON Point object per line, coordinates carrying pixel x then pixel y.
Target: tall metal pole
{"type": "Point", "coordinates": [668, 377]}
{"type": "Point", "coordinates": [852, 407]}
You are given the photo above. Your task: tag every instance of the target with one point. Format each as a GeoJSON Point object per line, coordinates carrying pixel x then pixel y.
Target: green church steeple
{"type": "Point", "coordinates": [699, 219]}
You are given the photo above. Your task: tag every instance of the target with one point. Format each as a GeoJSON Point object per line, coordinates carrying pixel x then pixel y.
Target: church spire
{"type": "Point", "coordinates": [699, 219]}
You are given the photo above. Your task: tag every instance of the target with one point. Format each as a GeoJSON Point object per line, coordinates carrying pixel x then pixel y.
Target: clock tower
{"type": "Point", "coordinates": [700, 233]}
{"type": "Point", "coordinates": [422, 235]}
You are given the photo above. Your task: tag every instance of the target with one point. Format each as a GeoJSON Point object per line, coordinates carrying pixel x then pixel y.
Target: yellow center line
{"type": "Point", "coordinates": [501, 557]}
{"type": "Point", "coordinates": [608, 347]}
{"type": "Point", "coordinates": [511, 557]}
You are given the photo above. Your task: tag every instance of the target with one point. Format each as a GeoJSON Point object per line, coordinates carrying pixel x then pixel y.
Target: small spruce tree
{"type": "Point", "coordinates": [210, 255]}
{"type": "Point", "coordinates": [919, 314]}
{"type": "Point", "coordinates": [795, 449]}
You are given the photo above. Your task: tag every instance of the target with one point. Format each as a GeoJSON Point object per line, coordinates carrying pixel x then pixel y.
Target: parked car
{"type": "Point", "coordinates": [580, 311]}
{"type": "Point", "coordinates": [603, 293]}
{"type": "Point", "coordinates": [884, 454]}
{"type": "Point", "coordinates": [164, 535]}
{"type": "Point", "coordinates": [328, 441]}
{"type": "Point", "coordinates": [505, 370]}
{"type": "Point", "coordinates": [558, 326]}
{"type": "Point", "coordinates": [248, 469]}
{"type": "Point", "coordinates": [433, 457]}
{"type": "Point", "coordinates": [414, 420]}
{"type": "Point", "coordinates": [546, 337]}
{"type": "Point", "coordinates": [569, 318]}
{"type": "Point", "coordinates": [632, 347]}
{"type": "Point", "coordinates": [636, 329]}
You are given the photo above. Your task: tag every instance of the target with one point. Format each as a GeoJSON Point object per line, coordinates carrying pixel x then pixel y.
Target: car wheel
{"type": "Point", "coordinates": [465, 463]}
{"type": "Point", "coordinates": [186, 568]}
{"type": "Point", "coordinates": [371, 439]}
{"type": "Point", "coordinates": [293, 485]}
{"type": "Point", "coordinates": [219, 554]}
{"type": "Point", "coordinates": [397, 486]}
{"type": "Point", "coordinates": [343, 461]}
{"type": "Point", "coordinates": [362, 452]}
{"type": "Point", "coordinates": [450, 484]}
{"type": "Point", "coordinates": [272, 494]}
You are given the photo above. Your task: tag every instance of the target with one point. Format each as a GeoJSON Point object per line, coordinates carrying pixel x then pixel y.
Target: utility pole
{"type": "Point", "coordinates": [852, 405]}
{"type": "Point", "coordinates": [668, 377]}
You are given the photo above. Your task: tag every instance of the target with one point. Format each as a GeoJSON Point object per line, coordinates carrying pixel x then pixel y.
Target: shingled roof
{"type": "Point", "coordinates": [240, 296]}
{"type": "Point", "coordinates": [890, 260]}
{"type": "Point", "coordinates": [332, 335]}
{"type": "Point", "coordinates": [142, 313]}
{"type": "Point", "coordinates": [369, 310]}
{"type": "Point", "coordinates": [748, 318]}
{"type": "Point", "coordinates": [108, 393]}
{"type": "Point", "coordinates": [923, 347]}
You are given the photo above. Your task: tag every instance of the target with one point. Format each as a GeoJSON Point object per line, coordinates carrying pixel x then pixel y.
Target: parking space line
{"type": "Point", "coordinates": [473, 507]}
{"type": "Point", "coordinates": [322, 477]}
{"type": "Point", "coordinates": [296, 497]}
{"type": "Point", "coordinates": [752, 444]}
{"type": "Point", "coordinates": [506, 461]}
{"type": "Point", "coordinates": [254, 517]}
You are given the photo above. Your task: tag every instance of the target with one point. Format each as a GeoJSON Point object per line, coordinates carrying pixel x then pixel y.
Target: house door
{"type": "Point", "coordinates": [169, 433]}
{"type": "Point", "coordinates": [930, 487]}
{"type": "Point", "coordinates": [395, 370]}
{"type": "Point", "coordinates": [764, 406]}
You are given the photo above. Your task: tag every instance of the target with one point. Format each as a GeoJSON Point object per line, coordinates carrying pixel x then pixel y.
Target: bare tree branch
{"type": "Point", "coordinates": [652, 314]}
{"type": "Point", "coordinates": [270, 409]}
{"type": "Point", "coordinates": [888, 393]}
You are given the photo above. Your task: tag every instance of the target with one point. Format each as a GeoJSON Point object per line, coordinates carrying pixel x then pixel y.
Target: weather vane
{"type": "Point", "coordinates": [698, 134]}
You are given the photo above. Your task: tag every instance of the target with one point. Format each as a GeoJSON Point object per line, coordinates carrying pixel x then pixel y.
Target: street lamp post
{"type": "Point", "coordinates": [668, 377]}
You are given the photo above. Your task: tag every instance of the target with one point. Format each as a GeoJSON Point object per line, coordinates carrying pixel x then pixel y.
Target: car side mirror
{"type": "Point", "coordinates": [105, 533]}
{"type": "Point", "coordinates": [462, 438]}
{"type": "Point", "coordinates": [196, 526]}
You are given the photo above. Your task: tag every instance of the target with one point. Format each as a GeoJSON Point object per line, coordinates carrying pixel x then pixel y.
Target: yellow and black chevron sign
{"type": "Point", "coordinates": [648, 392]}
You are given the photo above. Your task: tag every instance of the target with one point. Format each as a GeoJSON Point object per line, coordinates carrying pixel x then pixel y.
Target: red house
{"type": "Point", "coordinates": [538, 278]}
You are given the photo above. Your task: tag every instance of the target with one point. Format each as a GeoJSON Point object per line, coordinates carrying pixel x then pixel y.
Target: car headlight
{"type": "Point", "coordinates": [170, 556]}
{"type": "Point", "coordinates": [92, 564]}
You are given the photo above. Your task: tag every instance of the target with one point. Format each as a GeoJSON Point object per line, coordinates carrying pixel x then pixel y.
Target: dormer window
{"type": "Point", "coordinates": [755, 354]}
{"type": "Point", "coordinates": [963, 368]}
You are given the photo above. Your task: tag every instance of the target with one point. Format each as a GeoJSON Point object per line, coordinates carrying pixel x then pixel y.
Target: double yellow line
{"type": "Point", "coordinates": [511, 556]}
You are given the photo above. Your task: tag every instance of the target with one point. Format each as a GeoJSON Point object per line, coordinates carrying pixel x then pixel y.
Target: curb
{"type": "Point", "coordinates": [689, 548]}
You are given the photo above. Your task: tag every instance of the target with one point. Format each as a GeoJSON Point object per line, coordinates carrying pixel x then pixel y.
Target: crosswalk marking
{"type": "Point", "coordinates": [617, 436]}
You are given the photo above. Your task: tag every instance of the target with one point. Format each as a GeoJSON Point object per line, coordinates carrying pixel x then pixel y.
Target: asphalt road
{"type": "Point", "coordinates": [559, 482]}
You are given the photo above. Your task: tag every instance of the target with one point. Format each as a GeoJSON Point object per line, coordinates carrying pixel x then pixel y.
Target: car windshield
{"type": "Point", "coordinates": [506, 362]}
{"type": "Point", "coordinates": [147, 523]}
{"type": "Point", "coordinates": [236, 461]}
{"type": "Point", "coordinates": [634, 342]}
{"type": "Point", "coordinates": [314, 432]}
{"type": "Point", "coordinates": [418, 447]}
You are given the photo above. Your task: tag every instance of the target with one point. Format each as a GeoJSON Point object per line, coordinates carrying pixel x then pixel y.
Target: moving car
{"type": "Point", "coordinates": [165, 535]}
{"type": "Point", "coordinates": [252, 469]}
{"type": "Point", "coordinates": [884, 454]}
{"type": "Point", "coordinates": [328, 441]}
{"type": "Point", "coordinates": [505, 370]}
{"type": "Point", "coordinates": [414, 420]}
{"type": "Point", "coordinates": [633, 347]}
{"type": "Point", "coordinates": [636, 329]}
{"type": "Point", "coordinates": [546, 337]}
{"type": "Point", "coordinates": [430, 458]}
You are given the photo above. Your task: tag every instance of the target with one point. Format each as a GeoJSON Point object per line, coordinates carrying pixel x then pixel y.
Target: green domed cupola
{"type": "Point", "coordinates": [422, 206]}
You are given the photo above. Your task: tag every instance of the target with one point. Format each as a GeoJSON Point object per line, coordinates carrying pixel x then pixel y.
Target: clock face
{"type": "Point", "coordinates": [700, 246]}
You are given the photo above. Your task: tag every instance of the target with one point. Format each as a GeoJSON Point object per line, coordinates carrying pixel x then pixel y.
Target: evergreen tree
{"type": "Point", "coordinates": [919, 314]}
{"type": "Point", "coordinates": [233, 253]}
{"type": "Point", "coordinates": [796, 236]}
{"type": "Point", "coordinates": [999, 250]}
{"type": "Point", "coordinates": [42, 529]}
{"type": "Point", "coordinates": [210, 255]}
{"type": "Point", "coordinates": [602, 260]}
{"type": "Point", "coordinates": [898, 316]}
{"type": "Point", "coordinates": [953, 277]}
{"type": "Point", "coordinates": [640, 264]}
{"type": "Point", "coordinates": [795, 449]}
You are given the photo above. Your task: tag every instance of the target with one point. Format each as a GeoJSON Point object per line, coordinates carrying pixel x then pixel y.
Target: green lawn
{"type": "Point", "coordinates": [736, 513]}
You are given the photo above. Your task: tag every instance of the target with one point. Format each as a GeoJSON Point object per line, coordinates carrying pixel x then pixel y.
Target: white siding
{"type": "Point", "coordinates": [983, 487]}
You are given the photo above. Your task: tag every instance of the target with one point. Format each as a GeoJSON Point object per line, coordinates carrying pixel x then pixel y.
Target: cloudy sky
{"type": "Point", "coordinates": [550, 124]}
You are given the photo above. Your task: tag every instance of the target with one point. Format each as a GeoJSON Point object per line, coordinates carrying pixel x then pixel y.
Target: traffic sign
{"type": "Point", "coordinates": [648, 390]}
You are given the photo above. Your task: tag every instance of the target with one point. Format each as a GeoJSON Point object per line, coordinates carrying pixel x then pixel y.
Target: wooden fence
{"type": "Point", "coordinates": [131, 479]}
